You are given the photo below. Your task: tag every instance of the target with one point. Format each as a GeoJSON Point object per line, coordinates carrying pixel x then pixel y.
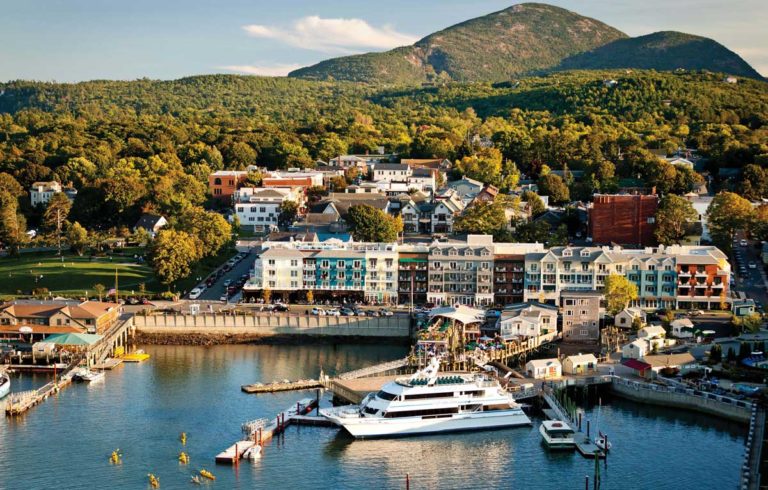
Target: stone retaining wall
{"type": "Point", "coordinates": [736, 410]}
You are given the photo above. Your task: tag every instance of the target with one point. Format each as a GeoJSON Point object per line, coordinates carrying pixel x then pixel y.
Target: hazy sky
{"type": "Point", "coordinates": [70, 40]}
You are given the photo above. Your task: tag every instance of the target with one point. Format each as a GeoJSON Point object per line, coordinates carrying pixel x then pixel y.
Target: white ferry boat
{"type": "Point", "coordinates": [557, 434]}
{"type": "Point", "coordinates": [429, 403]}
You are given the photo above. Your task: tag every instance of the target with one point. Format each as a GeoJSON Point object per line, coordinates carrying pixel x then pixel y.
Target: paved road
{"type": "Point", "coordinates": [753, 281]}
{"type": "Point", "coordinates": [217, 289]}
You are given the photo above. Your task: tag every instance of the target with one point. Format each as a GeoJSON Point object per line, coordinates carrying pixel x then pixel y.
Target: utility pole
{"type": "Point", "coordinates": [58, 227]}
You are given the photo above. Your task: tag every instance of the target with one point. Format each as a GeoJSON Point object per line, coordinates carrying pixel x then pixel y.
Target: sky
{"type": "Point", "coordinates": [74, 40]}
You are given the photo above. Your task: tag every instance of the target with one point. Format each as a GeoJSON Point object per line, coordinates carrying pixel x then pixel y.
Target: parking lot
{"type": "Point", "coordinates": [231, 275]}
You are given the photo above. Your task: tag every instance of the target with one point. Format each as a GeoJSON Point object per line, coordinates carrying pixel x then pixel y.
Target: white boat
{"type": "Point", "coordinates": [601, 440]}
{"type": "Point", "coordinates": [89, 376]}
{"type": "Point", "coordinates": [429, 403]}
{"type": "Point", "coordinates": [557, 434]}
{"type": "Point", "coordinates": [5, 385]}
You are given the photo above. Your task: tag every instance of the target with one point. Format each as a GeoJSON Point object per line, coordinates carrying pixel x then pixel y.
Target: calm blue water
{"type": "Point", "coordinates": [142, 409]}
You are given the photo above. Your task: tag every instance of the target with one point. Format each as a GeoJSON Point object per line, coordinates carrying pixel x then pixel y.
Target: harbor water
{"type": "Point", "coordinates": [143, 408]}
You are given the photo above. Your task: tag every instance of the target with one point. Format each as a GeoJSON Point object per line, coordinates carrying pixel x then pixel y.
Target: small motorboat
{"type": "Point", "coordinates": [89, 376]}
{"type": "Point", "coordinates": [207, 474]}
{"type": "Point", "coordinates": [5, 385]}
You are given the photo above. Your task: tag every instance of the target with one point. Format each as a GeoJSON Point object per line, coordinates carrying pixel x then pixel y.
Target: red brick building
{"type": "Point", "coordinates": [623, 219]}
{"type": "Point", "coordinates": [223, 184]}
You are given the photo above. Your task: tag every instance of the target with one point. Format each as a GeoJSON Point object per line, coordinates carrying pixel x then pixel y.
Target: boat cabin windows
{"type": "Point", "coordinates": [473, 393]}
{"type": "Point", "coordinates": [421, 396]}
{"type": "Point", "coordinates": [429, 413]}
{"type": "Point", "coordinates": [385, 395]}
{"type": "Point", "coordinates": [371, 411]}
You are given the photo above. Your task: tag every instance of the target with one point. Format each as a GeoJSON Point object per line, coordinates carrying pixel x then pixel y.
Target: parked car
{"type": "Point", "coordinates": [318, 311]}
{"type": "Point", "coordinates": [695, 312]}
{"type": "Point", "coordinates": [347, 311]}
{"type": "Point", "coordinates": [385, 312]}
{"type": "Point", "coordinates": [752, 265]}
{"type": "Point", "coordinates": [227, 282]}
{"type": "Point", "coordinates": [743, 243]}
{"type": "Point", "coordinates": [333, 312]}
{"type": "Point", "coordinates": [196, 292]}
{"type": "Point", "coordinates": [281, 307]}
{"type": "Point", "coordinates": [372, 313]}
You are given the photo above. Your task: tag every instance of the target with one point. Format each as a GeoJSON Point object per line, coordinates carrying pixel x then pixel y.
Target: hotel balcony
{"type": "Point", "coordinates": [500, 269]}
{"type": "Point", "coordinates": [684, 274]}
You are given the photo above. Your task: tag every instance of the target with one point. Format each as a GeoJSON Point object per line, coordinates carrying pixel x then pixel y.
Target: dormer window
{"type": "Point", "coordinates": [468, 252]}
{"type": "Point", "coordinates": [567, 253]}
{"type": "Point", "coordinates": [585, 253]}
{"type": "Point", "coordinates": [453, 252]}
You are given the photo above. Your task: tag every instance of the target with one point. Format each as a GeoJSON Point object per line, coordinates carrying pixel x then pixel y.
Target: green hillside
{"type": "Point", "coordinates": [520, 39]}
{"type": "Point", "coordinates": [528, 38]}
{"type": "Point", "coordinates": [666, 50]}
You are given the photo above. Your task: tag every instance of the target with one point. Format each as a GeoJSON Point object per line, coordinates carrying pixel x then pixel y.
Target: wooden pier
{"type": "Point", "coordinates": [20, 402]}
{"type": "Point", "coordinates": [304, 384]}
{"type": "Point", "coordinates": [260, 431]}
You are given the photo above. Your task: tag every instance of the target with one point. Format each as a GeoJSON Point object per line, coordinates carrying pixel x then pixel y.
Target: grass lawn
{"type": "Point", "coordinates": [73, 276]}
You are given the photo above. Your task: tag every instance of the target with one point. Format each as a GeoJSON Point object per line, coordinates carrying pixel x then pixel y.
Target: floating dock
{"type": "Point", "coordinates": [108, 364]}
{"type": "Point", "coordinates": [262, 430]}
{"type": "Point", "coordinates": [20, 402]}
{"type": "Point", "coordinates": [584, 445]}
{"type": "Point", "coordinates": [304, 384]}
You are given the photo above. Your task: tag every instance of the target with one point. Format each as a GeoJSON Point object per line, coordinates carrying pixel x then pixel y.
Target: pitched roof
{"type": "Point", "coordinates": [636, 364]}
{"type": "Point", "coordinates": [390, 166]}
{"type": "Point", "coordinates": [669, 360]}
{"type": "Point", "coordinates": [578, 358]}
{"type": "Point", "coordinates": [539, 363]}
{"type": "Point", "coordinates": [148, 221]}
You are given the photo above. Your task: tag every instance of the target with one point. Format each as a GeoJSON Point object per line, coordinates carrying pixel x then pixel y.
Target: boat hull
{"type": "Point", "coordinates": [374, 427]}
{"type": "Point", "coordinates": [5, 386]}
{"type": "Point", "coordinates": [554, 443]}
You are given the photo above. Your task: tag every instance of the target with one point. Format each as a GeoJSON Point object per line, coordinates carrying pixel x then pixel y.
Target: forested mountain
{"type": "Point", "coordinates": [132, 147]}
{"type": "Point", "coordinates": [528, 38]}
{"type": "Point", "coordinates": [523, 38]}
{"type": "Point", "coordinates": [666, 50]}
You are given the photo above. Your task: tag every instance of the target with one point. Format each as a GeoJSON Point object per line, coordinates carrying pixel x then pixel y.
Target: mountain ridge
{"type": "Point", "coordinates": [524, 39]}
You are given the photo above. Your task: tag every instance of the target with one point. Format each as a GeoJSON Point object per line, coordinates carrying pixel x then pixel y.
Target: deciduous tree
{"type": "Point", "coordinates": [369, 224]}
{"type": "Point", "coordinates": [173, 253]}
{"type": "Point", "coordinates": [77, 237]}
{"type": "Point", "coordinates": [619, 292]}
{"type": "Point", "coordinates": [727, 214]}
{"type": "Point", "coordinates": [672, 219]}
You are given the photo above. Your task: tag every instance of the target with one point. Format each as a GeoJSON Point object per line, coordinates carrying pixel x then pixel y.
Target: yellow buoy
{"type": "Point", "coordinates": [153, 480]}
{"type": "Point", "coordinates": [183, 458]}
{"type": "Point", "coordinates": [207, 474]}
{"type": "Point", "coordinates": [183, 438]}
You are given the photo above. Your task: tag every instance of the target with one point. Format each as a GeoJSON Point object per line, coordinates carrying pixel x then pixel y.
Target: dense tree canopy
{"type": "Point", "coordinates": [672, 219]}
{"type": "Point", "coordinates": [369, 224]}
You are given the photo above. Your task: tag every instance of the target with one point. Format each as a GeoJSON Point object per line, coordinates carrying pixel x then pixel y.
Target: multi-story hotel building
{"type": "Point", "coordinates": [654, 271]}
{"type": "Point", "coordinates": [478, 271]}
{"type": "Point", "coordinates": [461, 272]}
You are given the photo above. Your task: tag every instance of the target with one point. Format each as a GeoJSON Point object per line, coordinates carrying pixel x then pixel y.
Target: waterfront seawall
{"type": "Point", "coordinates": [213, 328]}
{"type": "Point", "coordinates": [729, 408]}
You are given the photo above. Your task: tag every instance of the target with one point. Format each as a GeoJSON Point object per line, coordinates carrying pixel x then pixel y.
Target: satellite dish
{"type": "Point", "coordinates": [25, 329]}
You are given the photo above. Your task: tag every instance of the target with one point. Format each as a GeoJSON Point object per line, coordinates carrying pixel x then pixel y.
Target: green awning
{"type": "Point", "coordinates": [73, 339]}
{"type": "Point", "coordinates": [413, 260]}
